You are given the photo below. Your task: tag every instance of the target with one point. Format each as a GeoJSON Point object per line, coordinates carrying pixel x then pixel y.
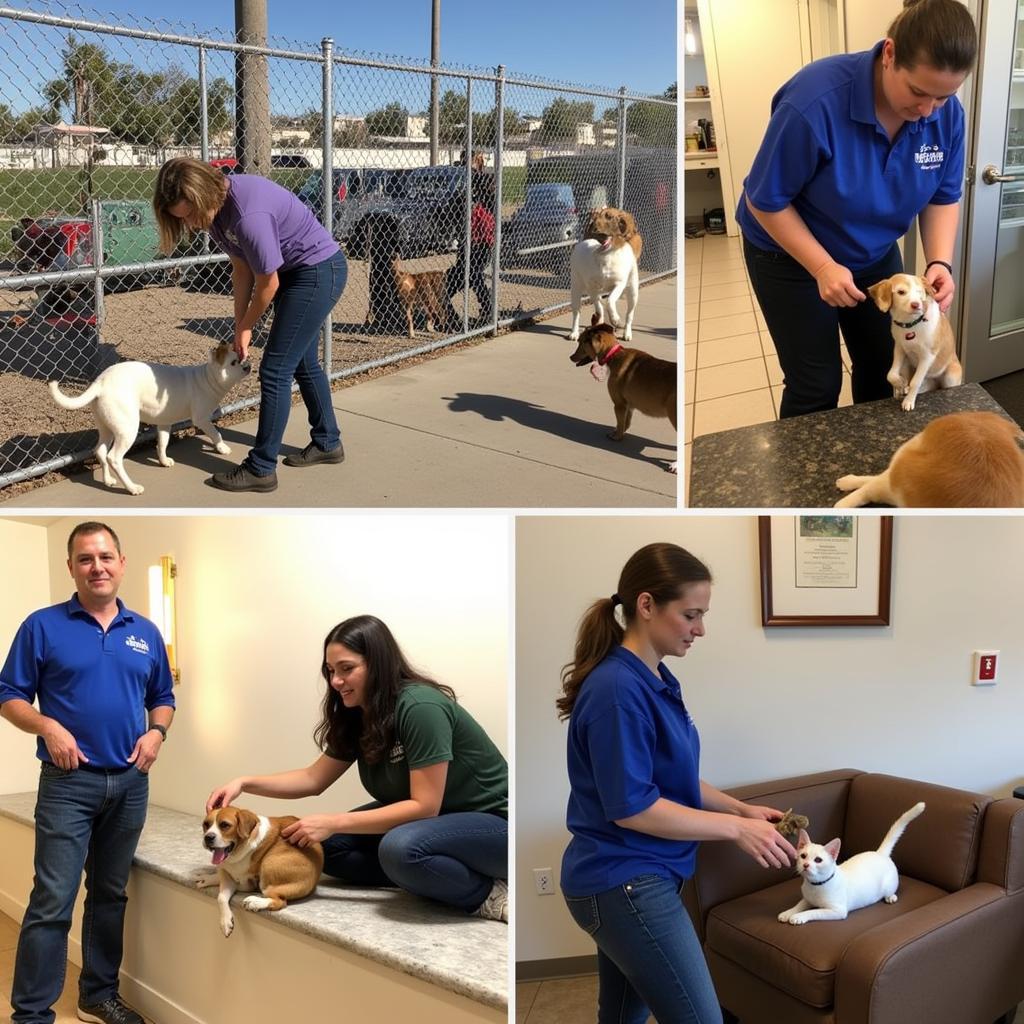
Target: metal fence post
{"type": "Point", "coordinates": [96, 217]}
{"type": "Point", "coordinates": [620, 184]}
{"type": "Point", "coordinates": [468, 240]}
{"type": "Point", "coordinates": [499, 145]}
{"type": "Point", "coordinates": [204, 126]}
{"type": "Point", "coordinates": [327, 47]}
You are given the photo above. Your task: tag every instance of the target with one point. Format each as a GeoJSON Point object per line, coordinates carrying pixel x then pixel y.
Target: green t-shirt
{"type": "Point", "coordinates": [429, 729]}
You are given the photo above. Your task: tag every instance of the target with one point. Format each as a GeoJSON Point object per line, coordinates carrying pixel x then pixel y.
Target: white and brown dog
{"type": "Point", "coordinates": [249, 854]}
{"type": "Point", "coordinates": [603, 265]}
{"type": "Point", "coordinates": [126, 393]}
{"type": "Point", "coordinates": [924, 352]}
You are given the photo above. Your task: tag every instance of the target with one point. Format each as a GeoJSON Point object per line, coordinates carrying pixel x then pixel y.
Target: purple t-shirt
{"type": "Point", "coordinates": [269, 227]}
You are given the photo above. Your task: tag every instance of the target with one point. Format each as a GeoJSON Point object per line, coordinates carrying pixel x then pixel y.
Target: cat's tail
{"type": "Point", "coordinates": [893, 835]}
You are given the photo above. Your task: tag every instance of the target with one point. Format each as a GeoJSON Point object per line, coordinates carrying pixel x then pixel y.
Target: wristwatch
{"type": "Point", "coordinates": [160, 729]}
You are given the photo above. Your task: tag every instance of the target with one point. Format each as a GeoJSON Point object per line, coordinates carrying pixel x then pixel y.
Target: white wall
{"type": "Point", "coordinates": [257, 595]}
{"type": "Point", "coordinates": [27, 586]}
{"type": "Point", "coordinates": [770, 703]}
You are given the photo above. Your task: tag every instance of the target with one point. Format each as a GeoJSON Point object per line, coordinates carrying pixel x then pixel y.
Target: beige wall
{"type": "Point", "coordinates": [777, 702]}
{"type": "Point", "coordinates": [256, 595]}
{"type": "Point", "coordinates": [27, 586]}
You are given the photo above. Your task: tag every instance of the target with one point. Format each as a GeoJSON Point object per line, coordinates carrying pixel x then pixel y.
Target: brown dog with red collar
{"type": "Point", "coordinates": [636, 380]}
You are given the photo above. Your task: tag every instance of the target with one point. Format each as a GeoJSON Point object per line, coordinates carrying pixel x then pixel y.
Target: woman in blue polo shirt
{"type": "Point", "coordinates": [637, 805]}
{"type": "Point", "coordinates": [858, 145]}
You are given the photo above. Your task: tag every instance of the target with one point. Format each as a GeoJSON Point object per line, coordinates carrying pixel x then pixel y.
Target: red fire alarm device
{"type": "Point", "coordinates": [985, 666]}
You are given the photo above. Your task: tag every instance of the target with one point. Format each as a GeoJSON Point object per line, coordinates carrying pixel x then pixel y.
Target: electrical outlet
{"type": "Point", "coordinates": [543, 881]}
{"type": "Point", "coordinates": [985, 667]}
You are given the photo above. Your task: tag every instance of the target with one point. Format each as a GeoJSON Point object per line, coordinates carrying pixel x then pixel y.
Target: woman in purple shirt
{"type": "Point", "coordinates": [279, 254]}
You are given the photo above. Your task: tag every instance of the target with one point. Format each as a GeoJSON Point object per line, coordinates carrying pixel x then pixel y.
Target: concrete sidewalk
{"type": "Point", "coordinates": [507, 423]}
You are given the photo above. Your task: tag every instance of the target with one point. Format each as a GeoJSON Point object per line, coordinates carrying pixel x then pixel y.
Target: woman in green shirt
{"type": "Point", "coordinates": [438, 823]}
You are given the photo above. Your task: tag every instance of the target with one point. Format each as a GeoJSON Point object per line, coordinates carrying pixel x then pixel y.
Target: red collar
{"type": "Point", "coordinates": [610, 354]}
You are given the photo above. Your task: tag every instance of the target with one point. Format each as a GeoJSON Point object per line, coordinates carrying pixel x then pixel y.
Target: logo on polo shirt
{"type": "Point", "coordinates": [928, 158]}
{"type": "Point", "coordinates": [397, 753]}
{"type": "Point", "coordinates": [231, 237]}
{"type": "Point", "coordinates": [137, 644]}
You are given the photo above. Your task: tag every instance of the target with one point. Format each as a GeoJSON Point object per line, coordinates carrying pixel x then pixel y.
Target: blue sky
{"type": "Point", "coordinates": [592, 42]}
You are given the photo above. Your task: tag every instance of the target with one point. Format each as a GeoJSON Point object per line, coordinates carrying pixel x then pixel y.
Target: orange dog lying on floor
{"type": "Point", "coordinates": [249, 854]}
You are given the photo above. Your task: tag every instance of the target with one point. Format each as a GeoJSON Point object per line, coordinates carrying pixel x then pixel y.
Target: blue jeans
{"type": "Point", "coordinates": [649, 958]}
{"type": "Point", "coordinates": [89, 819]}
{"type": "Point", "coordinates": [805, 331]}
{"type": "Point", "coordinates": [453, 858]}
{"type": "Point", "coordinates": [305, 296]}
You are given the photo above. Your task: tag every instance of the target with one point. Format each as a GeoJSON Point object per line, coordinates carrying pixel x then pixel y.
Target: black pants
{"type": "Point", "coordinates": [805, 331]}
{"type": "Point", "coordinates": [479, 258]}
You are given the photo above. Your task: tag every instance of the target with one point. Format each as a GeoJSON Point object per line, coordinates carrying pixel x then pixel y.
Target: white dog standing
{"type": "Point", "coordinates": [604, 267]}
{"type": "Point", "coordinates": [924, 352]}
{"type": "Point", "coordinates": [125, 394]}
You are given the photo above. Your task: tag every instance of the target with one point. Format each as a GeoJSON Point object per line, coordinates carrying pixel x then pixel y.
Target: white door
{"type": "Point", "coordinates": [992, 318]}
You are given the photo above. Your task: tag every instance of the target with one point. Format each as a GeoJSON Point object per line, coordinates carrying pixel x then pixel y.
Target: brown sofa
{"type": "Point", "coordinates": [950, 951]}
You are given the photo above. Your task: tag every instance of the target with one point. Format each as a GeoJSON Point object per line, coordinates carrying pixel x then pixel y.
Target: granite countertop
{"type": "Point", "coordinates": [794, 463]}
{"type": "Point", "coordinates": [440, 945]}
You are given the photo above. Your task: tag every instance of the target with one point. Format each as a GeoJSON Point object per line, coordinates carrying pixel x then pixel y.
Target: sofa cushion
{"type": "Point", "coordinates": [940, 847]}
{"type": "Point", "coordinates": [800, 959]}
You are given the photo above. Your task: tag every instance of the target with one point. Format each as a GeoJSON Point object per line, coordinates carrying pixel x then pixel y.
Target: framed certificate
{"type": "Point", "coordinates": [825, 570]}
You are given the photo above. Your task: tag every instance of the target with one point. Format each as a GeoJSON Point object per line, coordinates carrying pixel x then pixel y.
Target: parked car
{"type": "Point", "coordinates": [292, 160]}
{"type": "Point", "coordinates": [357, 191]}
{"type": "Point", "coordinates": [548, 216]}
{"type": "Point", "coordinates": [427, 213]}
{"type": "Point", "coordinates": [64, 242]}
{"type": "Point", "coordinates": [228, 164]}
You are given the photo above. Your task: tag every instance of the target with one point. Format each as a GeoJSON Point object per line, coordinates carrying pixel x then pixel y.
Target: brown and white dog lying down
{"type": "Point", "coordinates": [249, 854]}
{"type": "Point", "coordinates": [636, 380]}
{"type": "Point", "coordinates": [924, 350]}
{"type": "Point", "coordinates": [964, 460]}
{"type": "Point", "coordinates": [603, 265]}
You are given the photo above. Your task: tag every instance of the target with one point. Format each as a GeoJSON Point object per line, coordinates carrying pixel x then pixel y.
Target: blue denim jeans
{"type": "Point", "coordinates": [453, 858]}
{"type": "Point", "coordinates": [649, 958]}
{"type": "Point", "coordinates": [304, 298]}
{"type": "Point", "coordinates": [89, 819]}
{"type": "Point", "coordinates": [805, 331]}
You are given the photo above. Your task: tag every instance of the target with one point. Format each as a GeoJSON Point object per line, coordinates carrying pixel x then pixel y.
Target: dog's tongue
{"type": "Point", "coordinates": [607, 243]}
{"type": "Point", "coordinates": [219, 856]}
{"type": "Point", "coordinates": [599, 373]}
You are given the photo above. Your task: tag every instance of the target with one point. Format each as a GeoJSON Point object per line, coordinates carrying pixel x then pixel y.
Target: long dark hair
{"type": "Point", "coordinates": [939, 33]}
{"type": "Point", "coordinates": [662, 570]}
{"type": "Point", "coordinates": [367, 732]}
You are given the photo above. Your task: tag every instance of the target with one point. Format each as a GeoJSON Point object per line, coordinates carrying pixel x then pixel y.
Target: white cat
{"type": "Point", "coordinates": [830, 890]}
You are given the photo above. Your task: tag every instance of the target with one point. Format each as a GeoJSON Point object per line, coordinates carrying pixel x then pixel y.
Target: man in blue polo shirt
{"type": "Point", "coordinates": [96, 669]}
{"type": "Point", "coordinates": [858, 145]}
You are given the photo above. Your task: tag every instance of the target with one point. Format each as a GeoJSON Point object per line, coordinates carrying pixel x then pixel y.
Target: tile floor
{"type": "Point", "coordinates": [732, 373]}
{"type": "Point", "coordinates": [68, 1004]}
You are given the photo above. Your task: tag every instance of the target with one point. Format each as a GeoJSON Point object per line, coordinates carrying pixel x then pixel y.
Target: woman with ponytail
{"type": "Point", "coordinates": [637, 805]}
{"type": "Point", "coordinates": [857, 147]}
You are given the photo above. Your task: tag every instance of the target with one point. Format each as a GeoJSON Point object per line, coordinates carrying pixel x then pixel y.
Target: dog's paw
{"type": "Point", "coordinates": [908, 403]}
{"type": "Point", "coordinates": [784, 917]}
{"type": "Point", "coordinates": [846, 483]}
{"type": "Point", "coordinates": [136, 489]}
{"type": "Point", "coordinates": [891, 899]}
{"type": "Point", "coordinates": [899, 383]}
{"type": "Point", "coordinates": [167, 461]}
{"type": "Point", "coordinates": [616, 436]}
{"type": "Point", "coordinates": [227, 924]}
{"type": "Point", "coordinates": [799, 918]}
{"type": "Point", "coordinates": [673, 467]}
{"type": "Point", "coordinates": [627, 334]}
{"type": "Point", "coordinates": [573, 335]}
{"type": "Point", "coordinates": [255, 903]}
{"type": "Point", "coordinates": [204, 878]}
{"type": "Point", "coordinates": [221, 448]}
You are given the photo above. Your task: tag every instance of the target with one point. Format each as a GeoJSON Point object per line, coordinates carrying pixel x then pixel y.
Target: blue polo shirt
{"type": "Point", "coordinates": [826, 154]}
{"type": "Point", "coordinates": [631, 741]}
{"type": "Point", "coordinates": [98, 685]}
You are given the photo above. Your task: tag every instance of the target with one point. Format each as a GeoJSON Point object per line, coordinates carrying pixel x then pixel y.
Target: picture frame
{"type": "Point", "coordinates": [825, 570]}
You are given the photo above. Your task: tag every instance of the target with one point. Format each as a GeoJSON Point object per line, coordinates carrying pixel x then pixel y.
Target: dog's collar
{"type": "Point", "coordinates": [825, 881]}
{"type": "Point", "coordinates": [913, 323]}
{"type": "Point", "coordinates": [609, 355]}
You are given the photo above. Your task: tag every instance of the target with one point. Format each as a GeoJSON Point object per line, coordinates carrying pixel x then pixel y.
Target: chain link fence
{"type": "Point", "coordinates": [492, 203]}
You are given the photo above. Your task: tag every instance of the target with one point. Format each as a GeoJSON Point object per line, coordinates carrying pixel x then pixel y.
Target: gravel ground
{"type": "Point", "coordinates": [172, 324]}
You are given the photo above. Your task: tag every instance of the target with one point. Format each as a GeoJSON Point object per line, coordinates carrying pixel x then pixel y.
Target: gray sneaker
{"type": "Point", "coordinates": [495, 907]}
{"type": "Point", "coordinates": [110, 1011]}
{"type": "Point", "coordinates": [313, 456]}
